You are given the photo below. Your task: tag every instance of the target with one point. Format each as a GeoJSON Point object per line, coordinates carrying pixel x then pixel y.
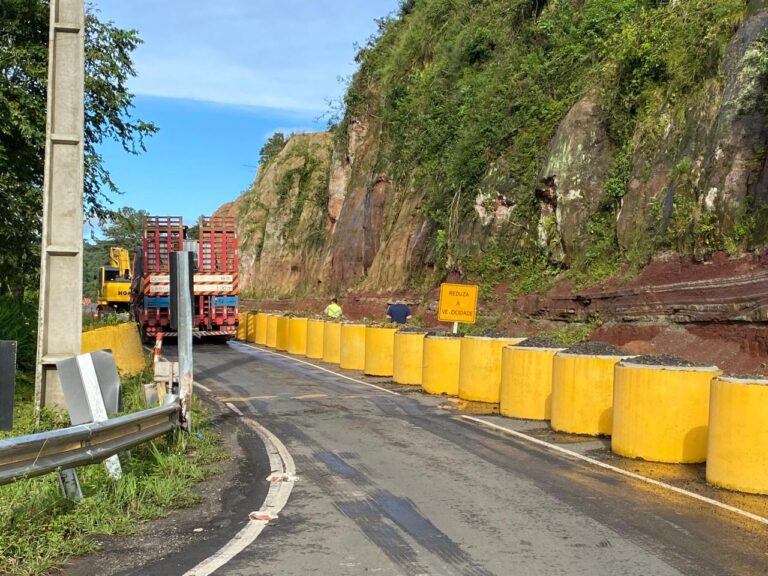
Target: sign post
{"type": "Point", "coordinates": [458, 303]}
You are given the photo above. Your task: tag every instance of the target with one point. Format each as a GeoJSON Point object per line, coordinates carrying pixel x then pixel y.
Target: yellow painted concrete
{"type": "Point", "coordinates": [379, 351]}
{"type": "Point", "coordinates": [480, 368]}
{"type": "Point", "coordinates": [332, 342]}
{"type": "Point", "coordinates": [661, 413]}
{"type": "Point", "coordinates": [315, 332]}
{"type": "Point", "coordinates": [582, 393]}
{"type": "Point", "coordinates": [297, 336]}
{"type": "Point", "coordinates": [440, 365]}
{"type": "Point", "coordinates": [242, 327]}
{"type": "Point", "coordinates": [124, 342]}
{"type": "Point", "coordinates": [737, 450]}
{"type": "Point", "coordinates": [271, 340]}
{"type": "Point", "coordinates": [408, 355]}
{"type": "Point", "coordinates": [526, 382]}
{"type": "Point", "coordinates": [252, 325]}
{"type": "Point", "coordinates": [352, 347]}
{"type": "Point", "coordinates": [259, 332]}
{"type": "Point", "coordinates": [281, 338]}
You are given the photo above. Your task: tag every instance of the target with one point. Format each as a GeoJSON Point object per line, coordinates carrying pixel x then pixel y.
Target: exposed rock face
{"type": "Point", "coordinates": [579, 159]}
{"type": "Point", "coordinates": [737, 146]}
{"type": "Point", "coordinates": [283, 220]}
{"type": "Point", "coordinates": [715, 151]}
{"type": "Point", "coordinates": [334, 217]}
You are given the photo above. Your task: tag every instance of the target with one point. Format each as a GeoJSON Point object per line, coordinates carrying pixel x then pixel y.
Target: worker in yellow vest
{"type": "Point", "coordinates": [333, 310]}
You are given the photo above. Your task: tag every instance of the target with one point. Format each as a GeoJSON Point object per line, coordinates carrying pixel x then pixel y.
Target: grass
{"type": "Point", "coordinates": [39, 529]}
{"type": "Point", "coordinates": [91, 323]}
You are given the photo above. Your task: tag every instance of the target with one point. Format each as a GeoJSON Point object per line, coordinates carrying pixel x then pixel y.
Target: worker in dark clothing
{"type": "Point", "coordinates": [399, 312]}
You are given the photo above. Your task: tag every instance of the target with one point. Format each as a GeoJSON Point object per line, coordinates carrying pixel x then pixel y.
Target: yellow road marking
{"type": "Point", "coordinates": [309, 396]}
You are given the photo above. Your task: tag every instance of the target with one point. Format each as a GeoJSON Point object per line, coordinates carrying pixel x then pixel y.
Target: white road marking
{"type": "Point", "coordinates": [323, 369]}
{"type": "Point", "coordinates": [202, 386]}
{"type": "Point", "coordinates": [621, 471]}
{"type": "Point", "coordinates": [234, 409]}
{"type": "Point", "coordinates": [282, 465]}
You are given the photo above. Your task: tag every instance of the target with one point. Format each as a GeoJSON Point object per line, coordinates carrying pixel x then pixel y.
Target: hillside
{"type": "Point", "coordinates": [537, 148]}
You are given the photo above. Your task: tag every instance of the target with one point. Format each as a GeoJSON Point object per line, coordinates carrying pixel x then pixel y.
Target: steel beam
{"type": "Point", "coordinates": [60, 317]}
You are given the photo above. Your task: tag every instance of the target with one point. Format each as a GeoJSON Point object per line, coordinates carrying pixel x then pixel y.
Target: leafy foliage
{"type": "Point", "coordinates": [272, 147]}
{"type": "Point", "coordinates": [23, 78]}
{"type": "Point", "coordinates": [39, 529]}
{"type": "Point", "coordinates": [470, 94]}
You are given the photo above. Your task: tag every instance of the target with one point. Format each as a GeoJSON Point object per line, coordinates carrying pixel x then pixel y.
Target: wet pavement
{"type": "Point", "coordinates": [392, 481]}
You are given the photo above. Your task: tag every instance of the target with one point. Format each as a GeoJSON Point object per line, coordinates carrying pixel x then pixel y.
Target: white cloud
{"type": "Point", "coordinates": [263, 53]}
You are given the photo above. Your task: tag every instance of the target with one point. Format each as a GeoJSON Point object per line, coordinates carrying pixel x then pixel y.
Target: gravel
{"type": "Point", "coordinates": [443, 334]}
{"type": "Point", "coordinates": [538, 342]}
{"type": "Point", "coordinates": [753, 377]}
{"type": "Point", "coordinates": [594, 348]}
{"type": "Point", "coordinates": [490, 333]}
{"type": "Point", "coordinates": [414, 330]}
{"type": "Point", "coordinates": [665, 360]}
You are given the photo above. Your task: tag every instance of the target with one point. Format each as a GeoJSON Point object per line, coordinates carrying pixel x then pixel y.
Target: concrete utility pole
{"type": "Point", "coordinates": [61, 268]}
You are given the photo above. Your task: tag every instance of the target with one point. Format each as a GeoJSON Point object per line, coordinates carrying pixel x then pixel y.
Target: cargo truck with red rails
{"type": "Point", "coordinates": [215, 267]}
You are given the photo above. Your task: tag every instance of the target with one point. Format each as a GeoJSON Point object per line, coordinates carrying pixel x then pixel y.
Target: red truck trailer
{"type": "Point", "coordinates": [215, 276]}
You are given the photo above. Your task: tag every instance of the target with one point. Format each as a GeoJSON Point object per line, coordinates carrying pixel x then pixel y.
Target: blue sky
{"type": "Point", "coordinates": [218, 78]}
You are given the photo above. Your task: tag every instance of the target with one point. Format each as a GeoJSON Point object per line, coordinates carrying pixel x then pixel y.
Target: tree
{"type": "Point", "coordinates": [124, 228]}
{"type": "Point", "coordinates": [23, 80]}
{"type": "Point", "coordinates": [272, 147]}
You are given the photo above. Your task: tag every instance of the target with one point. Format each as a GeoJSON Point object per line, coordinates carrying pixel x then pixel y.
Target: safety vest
{"type": "Point", "coordinates": [333, 310]}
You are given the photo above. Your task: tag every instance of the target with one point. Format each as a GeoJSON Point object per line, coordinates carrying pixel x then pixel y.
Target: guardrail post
{"type": "Point", "coordinates": [182, 296]}
{"type": "Point", "coordinates": [70, 485]}
{"type": "Point", "coordinates": [7, 382]}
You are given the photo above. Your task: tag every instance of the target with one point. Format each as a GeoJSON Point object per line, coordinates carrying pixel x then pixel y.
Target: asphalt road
{"type": "Point", "coordinates": [396, 484]}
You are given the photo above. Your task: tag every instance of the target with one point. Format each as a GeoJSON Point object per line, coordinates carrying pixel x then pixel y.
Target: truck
{"type": "Point", "coordinates": [114, 283]}
{"type": "Point", "coordinates": [215, 277]}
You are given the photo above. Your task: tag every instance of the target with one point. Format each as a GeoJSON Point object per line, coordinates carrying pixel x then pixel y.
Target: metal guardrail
{"type": "Point", "coordinates": [37, 454]}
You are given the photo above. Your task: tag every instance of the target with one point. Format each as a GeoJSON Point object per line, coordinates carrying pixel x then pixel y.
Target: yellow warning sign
{"type": "Point", "coordinates": [458, 303]}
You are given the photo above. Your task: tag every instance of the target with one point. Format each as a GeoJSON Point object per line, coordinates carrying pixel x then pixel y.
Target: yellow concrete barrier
{"type": "Point", "coordinates": [379, 350]}
{"type": "Point", "coordinates": [352, 347]}
{"type": "Point", "coordinates": [281, 338]}
{"type": "Point", "coordinates": [408, 355]}
{"type": "Point", "coordinates": [297, 336]}
{"type": "Point", "coordinates": [124, 342]}
{"type": "Point", "coordinates": [440, 365]}
{"type": "Point", "coordinates": [526, 382]}
{"type": "Point", "coordinates": [242, 327]}
{"type": "Point", "coordinates": [315, 333]}
{"type": "Point", "coordinates": [737, 457]}
{"type": "Point", "coordinates": [259, 331]}
{"type": "Point", "coordinates": [582, 393]}
{"type": "Point", "coordinates": [271, 340]}
{"type": "Point", "coordinates": [332, 342]}
{"type": "Point", "coordinates": [129, 355]}
{"type": "Point", "coordinates": [660, 413]}
{"type": "Point", "coordinates": [97, 339]}
{"type": "Point", "coordinates": [252, 323]}
{"type": "Point", "coordinates": [480, 368]}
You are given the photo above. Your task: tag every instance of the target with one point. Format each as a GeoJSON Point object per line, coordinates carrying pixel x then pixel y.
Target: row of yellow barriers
{"type": "Point", "coordinates": [657, 413]}
{"type": "Point", "coordinates": [124, 342]}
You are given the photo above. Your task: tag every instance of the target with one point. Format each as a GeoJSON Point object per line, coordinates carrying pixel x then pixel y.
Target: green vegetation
{"type": "Point", "coordinates": [471, 92]}
{"type": "Point", "coordinates": [571, 333]}
{"type": "Point", "coordinates": [301, 170]}
{"type": "Point", "coordinates": [23, 77]}
{"type": "Point", "coordinates": [39, 529]}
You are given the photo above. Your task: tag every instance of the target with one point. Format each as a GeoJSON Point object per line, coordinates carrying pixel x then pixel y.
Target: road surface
{"type": "Point", "coordinates": [397, 484]}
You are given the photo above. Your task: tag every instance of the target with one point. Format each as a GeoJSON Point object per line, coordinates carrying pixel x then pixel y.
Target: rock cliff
{"type": "Point", "coordinates": [560, 144]}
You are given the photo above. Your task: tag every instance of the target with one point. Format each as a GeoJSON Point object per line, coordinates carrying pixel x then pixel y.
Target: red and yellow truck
{"type": "Point", "coordinates": [215, 276]}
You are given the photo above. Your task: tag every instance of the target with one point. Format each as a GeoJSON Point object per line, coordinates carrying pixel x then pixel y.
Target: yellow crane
{"type": "Point", "coordinates": [115, 282]}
